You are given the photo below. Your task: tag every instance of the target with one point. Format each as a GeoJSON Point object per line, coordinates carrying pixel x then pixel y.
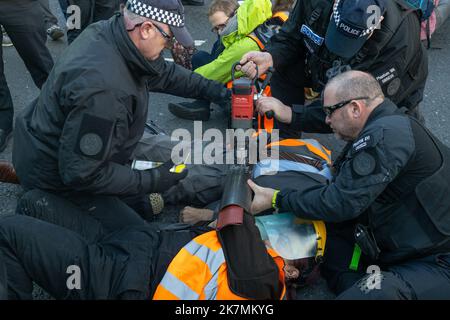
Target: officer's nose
{"type": "Point", "coordinates": [328, 120]}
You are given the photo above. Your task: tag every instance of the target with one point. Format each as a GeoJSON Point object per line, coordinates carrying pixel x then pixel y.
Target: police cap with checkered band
{"type": "Point", "coordinates": [352, 22]}
{"type": "Point", "coordinates": [170, 12]}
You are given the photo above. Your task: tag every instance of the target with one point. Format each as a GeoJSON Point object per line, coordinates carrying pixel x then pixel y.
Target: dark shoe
{"type": "Point", "coordinates": [193, 2]}
{"type": "Point", "coordinates": [4, 138]}
{"type": "Point", "coordinates": [7, 173]}
{"type": "Point", "coordinates": [197, 110]}
{"type": "Point", "coordinates": [55, 32]}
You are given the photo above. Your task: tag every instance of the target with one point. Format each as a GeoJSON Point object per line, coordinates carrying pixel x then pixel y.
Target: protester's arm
{"type": "Point", "coordinates": [220, 68]}
{"type": "Point", "coordinates": [176, 80]}
{"type": "Point", "coordinates": [97, 128]}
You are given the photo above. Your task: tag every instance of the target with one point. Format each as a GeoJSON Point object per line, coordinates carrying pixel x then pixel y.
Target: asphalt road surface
{"type": "Point", "coordinates": [435, 106]}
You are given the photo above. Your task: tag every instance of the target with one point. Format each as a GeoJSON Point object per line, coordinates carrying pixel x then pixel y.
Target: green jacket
{"type": "Point", "coordinates": [250, 15]}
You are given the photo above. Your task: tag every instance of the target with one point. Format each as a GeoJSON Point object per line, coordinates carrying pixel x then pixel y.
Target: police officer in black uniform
{"type": "Point", "coordinates": [387, 209]}
{"type": "Point", "coordinates": [78, 138]}
{"type": "Point", "coordinates": [321, 40]}
{"type": "Point", "coordinates": [22, 20]}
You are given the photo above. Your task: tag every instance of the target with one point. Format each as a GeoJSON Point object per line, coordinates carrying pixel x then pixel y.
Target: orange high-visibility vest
{"type": "Point", "coordinates": [199, 272]}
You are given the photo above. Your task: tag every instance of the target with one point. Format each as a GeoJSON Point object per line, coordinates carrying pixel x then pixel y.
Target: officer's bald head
{"type": "Point", "coordinates": [353, 84]}
{"type": "Point", "coordinates": [349, 99]}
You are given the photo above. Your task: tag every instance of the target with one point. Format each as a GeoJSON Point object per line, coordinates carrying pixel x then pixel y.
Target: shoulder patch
{"type": "Point", "coordinates": [91, 144]}
{"type": "Point", "coordinates": [363, 143]}
{"type": "Point", "coordinates": [93, 136]}
{"type": "Point", "coordinates": [364, 164]}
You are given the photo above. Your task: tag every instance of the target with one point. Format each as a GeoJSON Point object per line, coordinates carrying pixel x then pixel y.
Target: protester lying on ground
{"type": "Point", "coordinates": [322, 39]}
{"type": "Point", "coordinates": [118, 255]}
{"type": "Point", "coordinates": [78, 137]}
{"type": "Point", "coordinates": [387, 206]}
{"type": "Point", "coordinates": [240, 30]}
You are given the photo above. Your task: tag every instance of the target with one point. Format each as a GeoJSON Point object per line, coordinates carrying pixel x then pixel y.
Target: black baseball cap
{"type": "Point", "coordinates": [351, 24]}
{"type": "Point", "coordinates": [170, 12]}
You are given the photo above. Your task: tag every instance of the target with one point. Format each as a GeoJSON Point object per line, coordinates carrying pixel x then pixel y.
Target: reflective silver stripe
{"type": "Point", "coordinates": [178, 287]}
{"type": "Point", "coordinates": [212, 286]}
{"type": "Point", "coordinates": [213, 259]}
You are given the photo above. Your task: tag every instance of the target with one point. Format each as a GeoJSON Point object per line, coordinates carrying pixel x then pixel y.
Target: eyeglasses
{"type": "Point", "coordinates": [221, 26]}
{"type": "Point", "coordinates": [218, 28]}
{"type": "Point", "coordinates": [170, 39]}
{"type": "Point", "coordinates": [330, 109]}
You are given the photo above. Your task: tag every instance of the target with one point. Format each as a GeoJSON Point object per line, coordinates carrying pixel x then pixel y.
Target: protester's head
{"type": "Point", "coordinates": [348, 101]}
{"type": "Point", "coordinates": [220, 11]}
{"type": "Point", "coordinates": [281, 5]}
{"type": "Point", "coordinates": [352, 23]}
{"type": "Point", "coordinates": [153, 25]}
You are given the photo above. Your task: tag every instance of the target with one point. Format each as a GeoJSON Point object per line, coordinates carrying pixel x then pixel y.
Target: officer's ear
{"type": "Point", "coordinates": [147, 30]}
{"type": "Point", "coordinates": [356, 108]}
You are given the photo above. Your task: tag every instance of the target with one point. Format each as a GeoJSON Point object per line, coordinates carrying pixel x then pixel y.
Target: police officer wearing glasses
{"type": "Point", "coordinates": [79, 137]}
{"type": "Point", "coordinates": [387, 208]}
{"type": "Point", "coordinates": [323, 38]}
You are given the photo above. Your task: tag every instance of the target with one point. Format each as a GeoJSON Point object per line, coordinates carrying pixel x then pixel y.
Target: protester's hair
{"type": "Point", "coordinates": [352, 84]}
{"type": "Point", "coordinates": [282, 5]}
{"type": "Point", "coordinates": [229, 7]}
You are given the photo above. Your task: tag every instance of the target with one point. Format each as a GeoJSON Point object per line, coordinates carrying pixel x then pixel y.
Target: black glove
{"type": "Point", "coordinates": [162, 179]}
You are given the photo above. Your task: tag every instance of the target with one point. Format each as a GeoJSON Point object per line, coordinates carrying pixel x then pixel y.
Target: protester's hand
{"type": "Point", "coordinates": [163, 178]}
{"type": "Point", "coordinates": [263, 198]}
{"type": "Point", "coordinates": [252, 59]}
{"type": "Point", "coordinates": [282, 112]}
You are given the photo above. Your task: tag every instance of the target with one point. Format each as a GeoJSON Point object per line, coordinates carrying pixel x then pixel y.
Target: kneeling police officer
{"type": "Point", "coordinates": [78, 137]}
{"type": "Point", "coordinates": [387, 207]}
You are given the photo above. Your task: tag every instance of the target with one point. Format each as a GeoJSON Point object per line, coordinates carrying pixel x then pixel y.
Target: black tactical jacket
{"type": "Point", "coordinates": [394, 55]}
{"type": "Point", "coordinates": [395, 179]}
{"type": "Point", "coordinates": [81, 131]}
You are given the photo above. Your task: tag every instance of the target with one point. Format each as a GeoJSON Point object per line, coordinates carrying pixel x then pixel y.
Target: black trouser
{"type": "Point", "coordinates": [92, 11]}
{"type": "Point", "coordinates": [111, 245]}
{"type": "Point", "coordinates": [92, 217]}
{"type": "Point", "coordinates": [426, 278]}
{"type": "Point", "coordinates": [25, 26]}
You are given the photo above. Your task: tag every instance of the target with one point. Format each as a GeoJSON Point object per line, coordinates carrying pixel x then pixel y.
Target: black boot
{"type": "Point", "coordinates": [197, 110]}
{"type": "Point", "coordinates": [5, 135]}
